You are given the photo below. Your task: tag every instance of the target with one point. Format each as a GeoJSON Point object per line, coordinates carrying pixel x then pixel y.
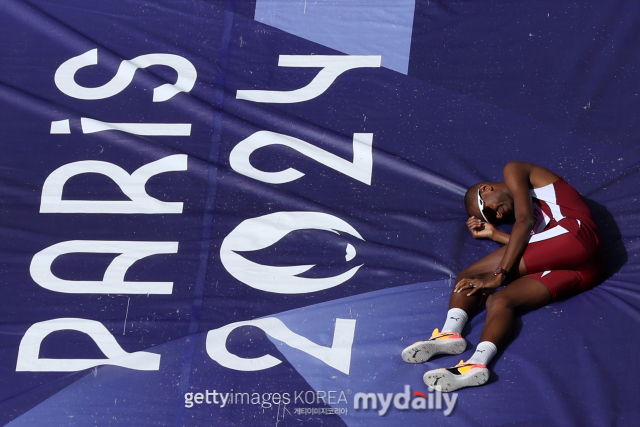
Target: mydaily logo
{"type": "Point", "coordinates": [404, 401]}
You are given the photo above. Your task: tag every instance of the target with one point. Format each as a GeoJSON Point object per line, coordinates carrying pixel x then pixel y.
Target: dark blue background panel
{"type": "Point", "coordinates": [552, 83]}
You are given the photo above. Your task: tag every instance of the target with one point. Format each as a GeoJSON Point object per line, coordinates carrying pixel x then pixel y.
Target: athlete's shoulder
{"type": "Point", "coordinates": [538, 176]}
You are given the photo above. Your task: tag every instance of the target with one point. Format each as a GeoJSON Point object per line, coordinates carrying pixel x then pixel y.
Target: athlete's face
{"type": "Point", "coordinates": [497, 205]}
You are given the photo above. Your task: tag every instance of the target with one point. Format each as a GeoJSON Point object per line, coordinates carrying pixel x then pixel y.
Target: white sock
{"type": "Point", "coordinates": [456, 319]}
{"type": "Point", "coordinates": [484, 353]}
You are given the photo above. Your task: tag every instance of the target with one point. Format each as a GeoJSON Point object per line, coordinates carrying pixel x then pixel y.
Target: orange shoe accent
{"type": "Point", "coordinates": [437, 335]}
{"type": "Point", "coordinates": [464, 367]}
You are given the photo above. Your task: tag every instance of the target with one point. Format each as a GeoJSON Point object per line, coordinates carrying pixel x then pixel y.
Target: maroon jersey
{"type": "Point", "coordinates": [564, 251]}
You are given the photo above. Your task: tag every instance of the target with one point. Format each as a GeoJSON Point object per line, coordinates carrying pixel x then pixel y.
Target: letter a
{"type": "Point", "coordinates": [29, 351]}
{"type": "Point", "coordinates": [113, 281]}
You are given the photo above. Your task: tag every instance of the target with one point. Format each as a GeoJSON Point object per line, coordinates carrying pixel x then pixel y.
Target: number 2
{"type": "Point", "coordinates": [360, 168]}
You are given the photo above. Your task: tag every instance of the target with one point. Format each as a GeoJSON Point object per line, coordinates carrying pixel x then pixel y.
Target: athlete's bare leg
{"type": "Point", "coordinates": [523, 294]}
{"type": "Point", "coordinates": [482, 269]}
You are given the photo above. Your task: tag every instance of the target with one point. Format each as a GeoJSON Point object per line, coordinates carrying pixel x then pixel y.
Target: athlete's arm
{"type": "Point", "coordinates": [517, 177]}
{"type": "Point", "coordinates": [483, 230]}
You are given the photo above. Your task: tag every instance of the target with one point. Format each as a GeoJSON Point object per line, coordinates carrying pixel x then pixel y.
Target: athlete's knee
{"type": "Point", "coordinates": [499, 301]}
{"type": "Point", "coordinates": [469, 273]}
{"type": "Point", "coordinates": [464, 274]}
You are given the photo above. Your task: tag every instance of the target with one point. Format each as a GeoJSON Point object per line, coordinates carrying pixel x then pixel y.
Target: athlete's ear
{"type": "Point", "coordinates": [485, 187]}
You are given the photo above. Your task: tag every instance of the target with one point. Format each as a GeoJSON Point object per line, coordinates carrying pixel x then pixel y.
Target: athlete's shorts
{"type": "Point", "coordinates": [567, 258]}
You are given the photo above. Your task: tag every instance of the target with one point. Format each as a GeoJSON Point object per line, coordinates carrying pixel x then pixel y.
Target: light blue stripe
{"type": "Point", "coordinates": [354, 27]}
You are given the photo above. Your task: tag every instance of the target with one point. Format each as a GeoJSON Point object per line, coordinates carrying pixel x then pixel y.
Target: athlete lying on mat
{"type": "Point", "coordinates": [553, 252]}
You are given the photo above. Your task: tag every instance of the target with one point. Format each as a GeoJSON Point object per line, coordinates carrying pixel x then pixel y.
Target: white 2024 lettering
{"type": "Point", "coordinates": [337, 356]}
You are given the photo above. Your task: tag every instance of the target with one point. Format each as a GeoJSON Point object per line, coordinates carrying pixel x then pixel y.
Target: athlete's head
{"type": "Point", "coordinates": [490, 201]}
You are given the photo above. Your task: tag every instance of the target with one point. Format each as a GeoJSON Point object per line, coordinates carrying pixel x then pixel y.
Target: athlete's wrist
{"type": "Point", "coordinates": [496, 235]}
{"type": "Point", "coordinates": [501, 275]}
{"type": "Point", "coordinates": [499, 236]}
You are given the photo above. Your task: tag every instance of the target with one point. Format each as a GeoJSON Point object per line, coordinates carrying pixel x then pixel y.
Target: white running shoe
{"type": "Point", "coordinates": [439, 343]}
{"type": "Point", "coordinates": [464, 374]}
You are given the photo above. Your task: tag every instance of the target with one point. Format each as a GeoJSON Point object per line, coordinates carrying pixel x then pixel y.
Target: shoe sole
{"type": "Point", "coordinates": [422, 351]}
{"type": "Point", "coordinates": [444, 381]}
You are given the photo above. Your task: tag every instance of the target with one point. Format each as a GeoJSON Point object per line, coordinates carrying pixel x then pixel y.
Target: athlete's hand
{"type": "Point", "coordinates": [480, 229]}
{"type": "Point", "coordinates": [478, 285]}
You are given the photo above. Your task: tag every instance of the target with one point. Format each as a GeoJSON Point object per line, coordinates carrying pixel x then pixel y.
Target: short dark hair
{"type": "Point", "coordinates": [471, 199]}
